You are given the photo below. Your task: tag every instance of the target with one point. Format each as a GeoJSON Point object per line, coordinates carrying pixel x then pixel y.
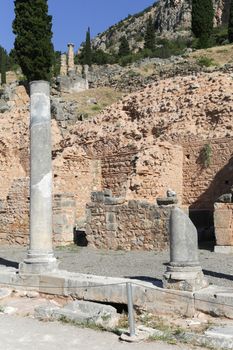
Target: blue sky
{"type": "Point", "coordinates": [72, 17]}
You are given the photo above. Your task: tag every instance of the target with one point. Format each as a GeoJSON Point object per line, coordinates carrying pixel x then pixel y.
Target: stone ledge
{"type": "Point", "coordinates": [146, 295]}
{"type": "Point", "coordinates": [223, 249]}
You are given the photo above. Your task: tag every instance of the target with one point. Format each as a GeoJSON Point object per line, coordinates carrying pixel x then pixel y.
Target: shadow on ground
{"type": "Point", "coordinates": [9, 263]}
{"type": "Point", "coordinates": [155, 281]}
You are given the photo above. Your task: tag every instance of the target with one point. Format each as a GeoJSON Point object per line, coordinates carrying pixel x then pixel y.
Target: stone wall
{"type": "Point", "coordinates": [64, 212]}
{"type": "Point", "coordinates": [203, 184]}
{"type": "Point", "coordinates": [113, 223]}
{"type": "Point", "coordinates": [223, 223]}
{"type": "Point", "coordinates": [116, 171]}
{"type": "Point", "coordinates": [14, 213]}
{"type": "Point", "coordinates": [77, 174]}
{"type": "Point", "coordinates": [144, 174]}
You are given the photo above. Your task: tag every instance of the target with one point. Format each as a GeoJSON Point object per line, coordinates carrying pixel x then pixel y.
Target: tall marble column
{"type": "Point", "coordinates": [71, 68]}
{"type": "Point", "coordinates": [40, 256]}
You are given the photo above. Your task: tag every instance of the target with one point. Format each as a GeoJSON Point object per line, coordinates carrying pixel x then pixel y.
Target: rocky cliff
{"type": "Point", "coordinates": [172, 18]}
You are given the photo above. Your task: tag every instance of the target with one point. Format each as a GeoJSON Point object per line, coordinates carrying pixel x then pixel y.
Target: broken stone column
{"type": "Point", "coordinates": [63, 69]}
{"type": "Point", "coordinates": [184, 271]}
{"type": "Point", "coordinates": [71, 67]}
{"type": "Point", "coordinates": [86, 73]}
{"type": "Point", "coordinates": [40, 254]}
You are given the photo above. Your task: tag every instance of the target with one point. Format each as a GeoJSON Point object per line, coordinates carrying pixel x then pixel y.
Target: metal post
{"type": "Point", "coordinates": [130, 309]}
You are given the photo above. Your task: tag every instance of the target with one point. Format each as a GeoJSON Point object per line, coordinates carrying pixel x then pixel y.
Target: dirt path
{"type": "Point", "coordinates": [18, 333]}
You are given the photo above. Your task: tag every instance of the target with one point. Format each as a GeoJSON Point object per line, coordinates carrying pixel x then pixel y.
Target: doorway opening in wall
{"type": "Point", "coordinates": [80, 238]}
{"type": "Point", "coordinates": [204, 221]}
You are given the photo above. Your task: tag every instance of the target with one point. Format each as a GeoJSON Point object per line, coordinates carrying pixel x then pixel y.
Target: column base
{"type": "Point", "coordinates": [186, 278]}
{"type": "Point", "coordinates": [37, 263]}
{"type": "Point", "coordinates": [223, 249]}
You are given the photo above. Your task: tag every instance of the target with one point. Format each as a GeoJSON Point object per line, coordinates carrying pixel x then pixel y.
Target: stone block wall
{"type": "Point", "coordinates": [202, 185]}
{"type": "Point", "coordinates": [144, 174]}
{"type": "Point", "coordinates": [116, 170]}
{"type": "Point", "coordinates": [64, 215]}
{"type": "Point", "coordinates": [78, 175]}
{"type": "Point", "coordinates": [113, 223]}
{"type": "Point", "coordinates": [223, 223]}
{"type": "Point", "coordinates": [14, 215]}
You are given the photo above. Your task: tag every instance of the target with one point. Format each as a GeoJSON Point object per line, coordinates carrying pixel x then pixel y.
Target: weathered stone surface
{"type": "Point", "coordinates": [4, 107]}
{"type": "Point", "coordinates": [40, 254]}
{"type": "Point", "coordinates": [223, 223]}
{"type": "Point", "coordinates": [215, 300]}
{"type": "Point", "coordinates": [82, 312]}
{"type": "Point", "coordinates": [184, 271]}
{"type": "Point", "coordinates": [112, 223]}
{"type": "Point", "coordinates": [132, 148]}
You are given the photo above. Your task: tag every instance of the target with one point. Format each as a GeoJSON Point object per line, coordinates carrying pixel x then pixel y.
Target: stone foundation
{"type": "Point", "coordinates": [113, 223]}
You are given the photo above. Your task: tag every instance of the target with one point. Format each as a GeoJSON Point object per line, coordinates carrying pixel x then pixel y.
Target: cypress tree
{"type": "Point", "coordinates": [150, 35]}
{"type": "Point", "coordinates": [87, 49]}
{"type": "Point", "coordinates": [230, 24]}
{"type": "Point", "coordinates": [202, 20]}
{"type": "Point", "coordinates": [33, 29]}
{"type": "Point", "coordinates": [3, 63]}
{"type": "Point", "coordinates": [124, 49]}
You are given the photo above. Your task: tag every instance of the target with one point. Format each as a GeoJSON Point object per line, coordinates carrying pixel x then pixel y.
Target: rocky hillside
{"type": "Point", "coordinates": [172, 18]}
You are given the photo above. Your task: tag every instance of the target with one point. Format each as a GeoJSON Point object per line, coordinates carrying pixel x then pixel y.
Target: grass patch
{"type": "Point", "coordinates": [220, 55]}
{"type": "Point", "coordinates": [104, 96]}
{"type": "Point", "coordinates": [63, 319]}
{"type": "Point", "coordinates": [205, 61]}
{"type": "Point", "coordinates": [70, 248]}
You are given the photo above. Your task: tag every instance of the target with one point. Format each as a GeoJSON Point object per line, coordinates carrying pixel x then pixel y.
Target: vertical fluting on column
{"type": "Point", "coordinates": [71, 67]}
{"type": "Point", "coordinates": [40, 254]}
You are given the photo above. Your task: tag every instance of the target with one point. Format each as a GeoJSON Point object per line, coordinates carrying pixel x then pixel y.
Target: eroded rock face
{"type": "Point", "coordinates": [172, 18]}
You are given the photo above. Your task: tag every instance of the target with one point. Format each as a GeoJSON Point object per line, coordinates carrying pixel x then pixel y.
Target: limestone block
{"type": "Point", "coordinates": [224, 236]}
{"type": "Point", "coordinates": [222, 218]}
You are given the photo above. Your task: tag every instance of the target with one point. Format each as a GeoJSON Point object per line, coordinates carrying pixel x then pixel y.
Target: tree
{"type": "Point", "coordinates": [202, 20]}
{"type": "Point", "coordinates": [33, 47]}
{"type": "Point", "coordinates": [87, 49]}
{"type": "Point", "coordinates": [3, 64]}
{"type": "Point", "coordinates": [149, 35]}
{"type": "Point", "coordinates": [124, 48]}
{"type": "Point", "coordinates": [230, 24]}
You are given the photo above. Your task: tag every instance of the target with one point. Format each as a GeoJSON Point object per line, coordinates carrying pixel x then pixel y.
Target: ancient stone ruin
{"type": "Point", "coordinates": [137, 149]}
{"type": "Point", "coordinates": [73, 78]}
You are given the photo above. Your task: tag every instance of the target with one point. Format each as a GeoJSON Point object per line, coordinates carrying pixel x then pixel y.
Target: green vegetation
{"type": "Point", "coordinates": [202, 21]}
{"type": "Point", "coordinates": [90, 325]}
{"type": "Point", "coordinates": [33, 47]}
{"type": "Point", "coordinates": [3, 64]}
{"type": "Point", "coordinates": [104, 97]}
{"type": "Point", "coordinates": [206, 155]}
{"type": "Point", "coordinates": [150, 35]}
{"type": "Point", "coordinates": [230, 24]}
{"type": "Point", "coordinates": [204, 61]}
{"type": "Point", "coordinates": [87, 49]}
{"type": "Point", "coordinates": [124, 49]}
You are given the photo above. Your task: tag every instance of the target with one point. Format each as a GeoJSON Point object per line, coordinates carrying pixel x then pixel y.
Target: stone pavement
{"type": "Point", "coordinates": [18, 333]}
{"type": "Point", "coordinates": [141, 265]}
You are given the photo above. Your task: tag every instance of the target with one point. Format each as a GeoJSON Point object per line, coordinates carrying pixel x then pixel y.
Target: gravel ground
{"type": "Point", "coordinates": [143, 265]}
{"type": "Point", "coordinates": [18, 333]}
